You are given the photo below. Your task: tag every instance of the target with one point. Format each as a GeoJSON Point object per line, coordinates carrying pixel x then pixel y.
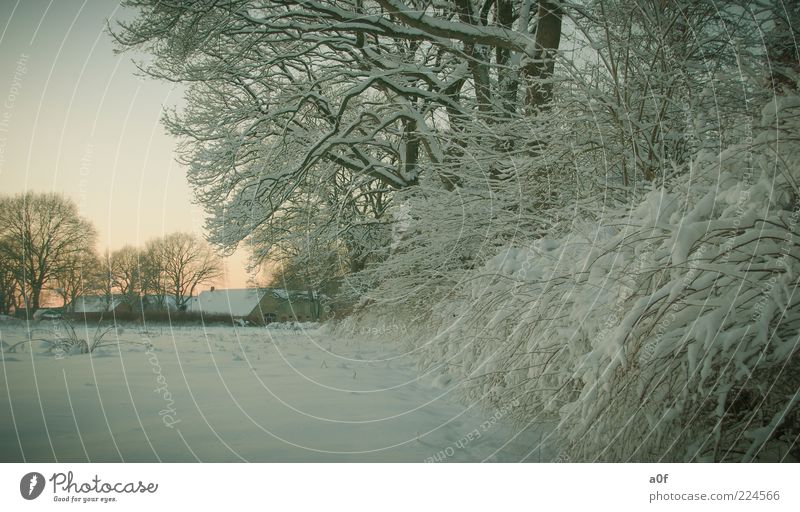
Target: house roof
{"type": "Point", "coordinates": [233, 302]}
{"type": "Point", "coordinates": [239, 301]}
{"type": "Point", "coordinates": [94, 304]}
{"type": "Point", "coordinates": [167, 300]}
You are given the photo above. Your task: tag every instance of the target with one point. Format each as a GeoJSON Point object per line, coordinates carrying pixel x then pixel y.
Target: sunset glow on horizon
{"type": "Point", "coordinates": [76, 119]}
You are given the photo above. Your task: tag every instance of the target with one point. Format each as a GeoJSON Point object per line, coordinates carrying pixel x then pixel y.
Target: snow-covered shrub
{"type": "Point", "coordinates": [503, 197]}
{"type": "Point", "coordinates": [9, 319]}
{"type": "Point", "coordinates": [407, 327]}
{"type": "Point", "coordinates": [293, 326]}
{"type": "Point", "coordinates": [665, 331]}
{"type": "Point", "coordinates": [64, 339]}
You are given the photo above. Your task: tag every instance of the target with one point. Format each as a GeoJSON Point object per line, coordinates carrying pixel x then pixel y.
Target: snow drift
{"type": "Point", "coordinates": [663, 331]}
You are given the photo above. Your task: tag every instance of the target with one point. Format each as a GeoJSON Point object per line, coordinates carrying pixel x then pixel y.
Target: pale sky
{"type": "Point", "coordinates": [75, 119]}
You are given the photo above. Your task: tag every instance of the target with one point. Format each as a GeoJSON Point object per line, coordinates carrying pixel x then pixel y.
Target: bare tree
{"type": "Point", "coordinates": [125, 273]}
{"type": "Point", "coordinates": [186, 262]}
{"type": "Point", "coordinates": [152, 275]}
{"type": "Point", "coordinates": [78, 276]}
{"type": "Point", "coordinates": [9, 288]}
{"type": "Point", "coordinates": [42, 232]}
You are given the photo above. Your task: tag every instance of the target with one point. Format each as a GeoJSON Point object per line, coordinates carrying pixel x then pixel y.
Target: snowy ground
{"type": "Point", "coordinates": [247, 394]}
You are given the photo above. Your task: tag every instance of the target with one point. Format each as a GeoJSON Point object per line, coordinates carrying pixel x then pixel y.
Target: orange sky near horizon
{"type": "Point", "coordinates": [76, 120]}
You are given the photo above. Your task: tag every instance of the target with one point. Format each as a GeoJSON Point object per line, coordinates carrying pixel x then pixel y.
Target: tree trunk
{"type": "Point", "coordinates": [548, 37]}
{"type": "Point", "coordinates": [36, 292]}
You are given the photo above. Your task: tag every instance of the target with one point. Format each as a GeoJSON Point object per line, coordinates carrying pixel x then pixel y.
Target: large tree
{"type": "Point", "coordinates": [124, 267]}
{"type": "Point", "coordinates": [79, 275]}
{"type": "Point", "coordinates": [286, 96]}
{"type": "Point", "coordinates": [186, 262]}
{"type": "Point", "coordinates": [42, 234]}
{"type": "Point", "coordinates": [152, 276]}
{"type": "Point", "coordinates": [9, 288]}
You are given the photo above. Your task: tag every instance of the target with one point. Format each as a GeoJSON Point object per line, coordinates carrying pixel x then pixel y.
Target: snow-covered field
{"type": "Point", "coordinates": [238, 394]}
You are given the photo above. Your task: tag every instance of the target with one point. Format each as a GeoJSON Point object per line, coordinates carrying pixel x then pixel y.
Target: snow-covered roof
{"type": "Point", "coordinates": [239, 301]}
{"type": "Point", "coordinates": [94, 304]}
{"type": "Point", "coordinates": [233, 302]}
{"type": "Point", "coordinates": [164, 300]}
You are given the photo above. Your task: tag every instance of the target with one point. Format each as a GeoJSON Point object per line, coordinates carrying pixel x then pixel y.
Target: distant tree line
{"type": "Point", "coordinates": [47, 249]}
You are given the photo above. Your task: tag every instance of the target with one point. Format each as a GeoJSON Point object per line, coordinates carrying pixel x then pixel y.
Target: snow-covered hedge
{"type": "Point", "coordinates": [663, 331]}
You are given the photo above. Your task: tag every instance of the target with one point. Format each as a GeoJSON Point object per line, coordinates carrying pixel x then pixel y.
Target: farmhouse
{"type": "Point", "coordinates": [98, 304]}
{"type": "Point", "coordinates": [160, 302]}
{"type": "Point", "coordinates": [122, 304]}
{"type": "Point", "coordinates": [278, 305]}
{"type": "Point", "coordinates": [259, 305]}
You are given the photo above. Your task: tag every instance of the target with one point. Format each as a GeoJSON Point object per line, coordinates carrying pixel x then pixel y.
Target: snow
{"type": "Point", "coordinates": [233, 302]}
{"type": "Point", "coordinates": [280, 294]}
{"type": "Point", "coordinates": [242, 393]}
{"type": "Point", "coordinates": [617, 261]}
{"type": "Point", "coordinates": [238, 302]}
{"type": "Point", "coordinates": [7, 318]}
{"type": "Point", "coordinates": [664, 319]}
{"type": "Point", "coordinates": [95, 304]}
